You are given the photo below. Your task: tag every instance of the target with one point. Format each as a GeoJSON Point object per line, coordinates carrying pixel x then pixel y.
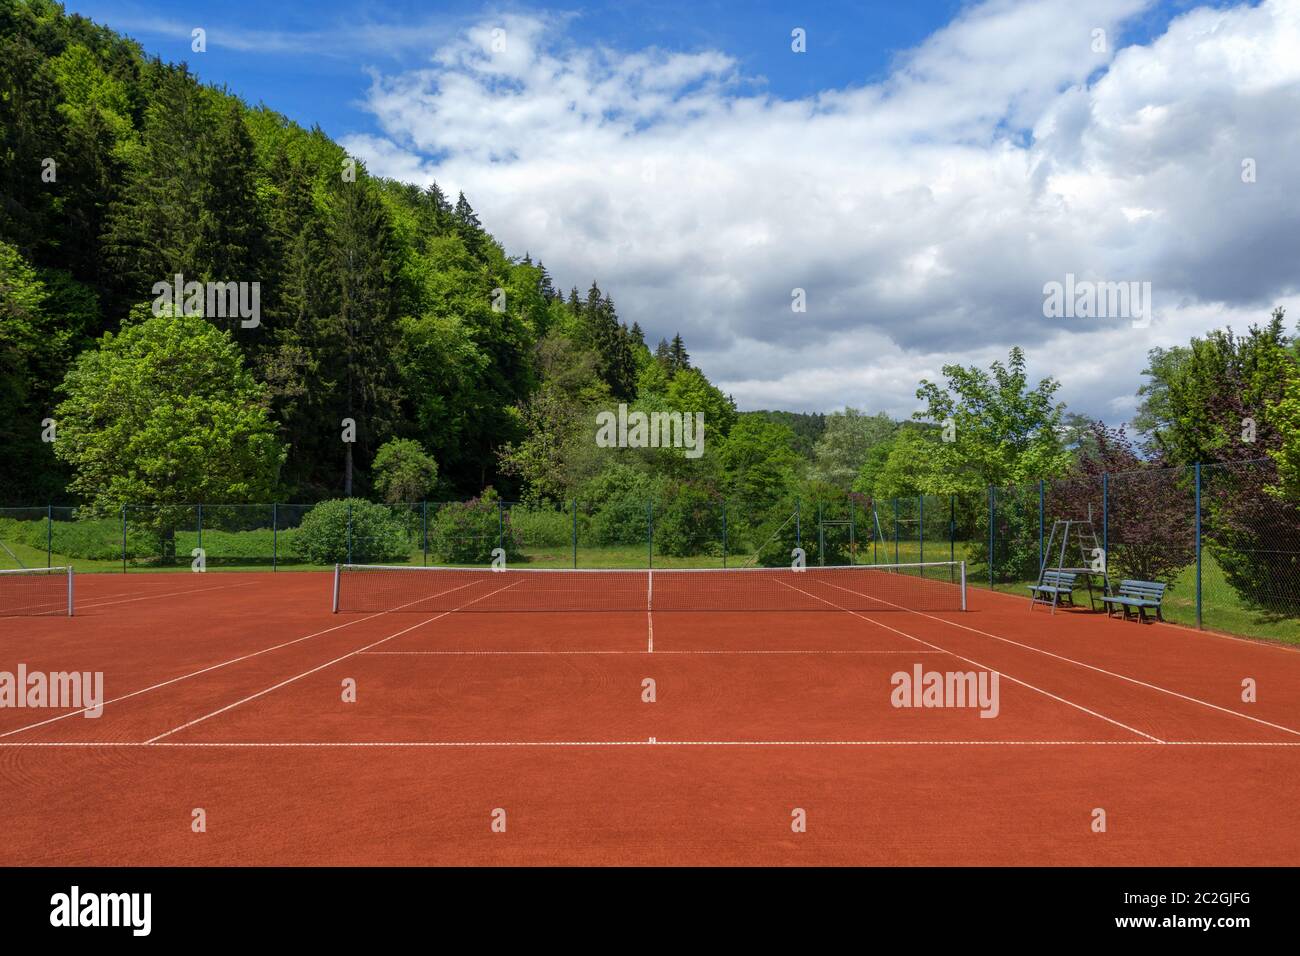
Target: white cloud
{"type": "Point", "coordinates": [339, 40]}
{"type": "Point", "coordinates": [922, 214]}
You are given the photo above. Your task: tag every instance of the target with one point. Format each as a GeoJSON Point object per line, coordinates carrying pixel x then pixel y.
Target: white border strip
{"type": "Point", "coordinates": [745, 570]}
{"type": "Point", "coordinates": [652, 742]}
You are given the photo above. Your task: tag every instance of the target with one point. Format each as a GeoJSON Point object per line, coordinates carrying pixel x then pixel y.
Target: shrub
{"type": "Point", "coordinates": [688, 521]}
{"type": "Point", "coordinates": [541, 527]}
{"type": "Point", "coordinates": [618, 501]}
{"type": "Point", "coordinates": [376, 535]}
{"type": "Point", "coordinates": [467, 532]}
{"type": "Point", "coordinates": [87, 539]}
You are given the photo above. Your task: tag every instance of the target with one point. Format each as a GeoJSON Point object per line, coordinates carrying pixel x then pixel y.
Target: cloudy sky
{"type": "Point", "coordinates": [919, 173]}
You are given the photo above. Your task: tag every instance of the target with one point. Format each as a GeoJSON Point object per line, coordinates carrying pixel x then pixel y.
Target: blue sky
{"type": "Point", "coordinates": [921, 173]}
{"type": "Point", "coordinates": [320, 78]}
{"type": "Point", "coordinates": [321, 81]}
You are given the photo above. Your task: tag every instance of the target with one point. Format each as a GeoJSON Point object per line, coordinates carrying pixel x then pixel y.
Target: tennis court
{"type": "Point", "coordinates": [392, 730]}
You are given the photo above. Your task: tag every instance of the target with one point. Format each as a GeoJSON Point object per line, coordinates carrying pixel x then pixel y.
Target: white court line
{"type": "Point", "coordinates": [1200, 632]}
{"type": "Point", "coordinates": [1071, 660]}
{"type": "Point", "coordinates": [1014, 680]}
{"type": "Point", "coordinates": [260, 693]}
{"type": "Point", "coordinates": [213, 667]}
{"type": "Point", "coordinates": [566, 652]}
{"type": "Point", "coordinates": [650, 608]}
{"type": "Point", "coordinates": [454, 744]}
{"type": "Point", "coordinates": [149, 597]}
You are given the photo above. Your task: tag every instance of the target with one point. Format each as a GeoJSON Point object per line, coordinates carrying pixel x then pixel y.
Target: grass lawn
{"type": "Point", "coordinates": [1222, 608]}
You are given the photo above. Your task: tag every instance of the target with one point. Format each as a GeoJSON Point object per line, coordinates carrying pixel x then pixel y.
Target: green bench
{"type": "Point", "coordinates": [1138, 595]}
{"type": "Point", "coordinates": [1055, 587]}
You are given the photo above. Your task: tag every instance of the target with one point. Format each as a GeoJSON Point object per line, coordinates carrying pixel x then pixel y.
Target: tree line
{"type": "Point", "coordinates": [460, 368]}
{"type": "Point", "coordinates": [382, 303]}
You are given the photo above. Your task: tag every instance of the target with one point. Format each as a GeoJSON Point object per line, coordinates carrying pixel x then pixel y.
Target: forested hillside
{"type": "Point", "coordinates": [399, 352]}
{"type": "Point", "coordinates": [380, 302]}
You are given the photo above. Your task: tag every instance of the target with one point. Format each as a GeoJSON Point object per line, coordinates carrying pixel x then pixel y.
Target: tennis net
{"type": "Point", "coordinates": [932, 586]}
{"type": "Point", "coordinates": [31, 591]}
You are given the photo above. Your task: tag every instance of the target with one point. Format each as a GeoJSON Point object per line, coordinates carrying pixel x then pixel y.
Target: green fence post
{"type": "Point", "coordinates": [920, 524]}
{"type": "Point", "coordinates": [724, 532]}
{"type": "Point", "coordinates": [853, 538]}
{"type": "Point", "coordinates": [650, 533]}
{"type": "Point", "coordinates": [574, 504]}
{"type": "Point", "coordinates": [875, 526]}
{"type": "Point", "coordinates": [275, 536]}
{"type": "Point", "coordinates": [1198, 544]}
{"type": "Point", "coordinates": [349, 531]}
{"type": "Point", "coordinates": [49, 535]}
{"type": "Point", "coordinates": [424, 533]}
{"type": "Point", "coordinates": [798, 521]}
{"type": "Point", "coordinates": [895, 530]}
{"type": "Point", "coordinates": [200, 513]}
{"type": "Point", "coordinates": [952, 527]}
{"type": "Point", "coordinates": [992, 518]}
{"type": "Point", "coordinates": [821, 537]}
{"type": "Point", "coordinates": [124, 539]}
{"type": "Point", "coordinates": [1041, 486]}
{"type": "Point", "coordinates": [1105, 520]}
{"type": "Point", "coordinates": [501, 525]}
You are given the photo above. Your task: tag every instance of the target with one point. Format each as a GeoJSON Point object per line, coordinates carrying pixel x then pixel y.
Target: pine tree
{"type": "Point", "coordinates": [156, 230]}
{"type": "Point", "coordinates": [600, 331]}
{"type": "Point", "coordinates": [678, 357]}
{"type": "Point", "coordinates": [544, 283]}
{"type": "Point", "coordinates": [298, 310]}
{"type": "Point", "coordinates": [363, 255]}
{"type": "Point", "coordinates": [469, 227]}
{"type": "Point", "coordinates": [232, 245]}
{"type": "Point", "coordinates": [29, 126]}
{"type": "Point", "coordinates": [664, 355]}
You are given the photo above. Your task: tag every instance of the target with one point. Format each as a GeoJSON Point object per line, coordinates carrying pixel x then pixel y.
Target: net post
{"type": "Point", "coordinates": [334, 604]}
{"type": "Point", "coordinates": [70, 595]}
{"type": "Point", "coordinates": [963, 585]}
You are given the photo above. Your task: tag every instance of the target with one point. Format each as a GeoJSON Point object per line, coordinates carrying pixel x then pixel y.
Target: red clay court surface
{"type": "Point", "coordinates": [225, 692]}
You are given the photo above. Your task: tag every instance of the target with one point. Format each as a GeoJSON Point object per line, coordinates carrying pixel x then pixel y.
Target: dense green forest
{"type": "Point", "coordinates": [401, 353]}
{"type": "Point", "coordinates": [380, 302]}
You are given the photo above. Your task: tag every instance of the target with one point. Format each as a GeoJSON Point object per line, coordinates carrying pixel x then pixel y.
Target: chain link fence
{"type": "Point", "coordinates": [1222, 537]}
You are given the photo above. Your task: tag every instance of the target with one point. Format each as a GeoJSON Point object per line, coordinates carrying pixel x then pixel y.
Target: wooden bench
{"type": "Point", "coordinates": [1138, 595]}
{"type": "Point", "coordinates": [1058, 586]}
